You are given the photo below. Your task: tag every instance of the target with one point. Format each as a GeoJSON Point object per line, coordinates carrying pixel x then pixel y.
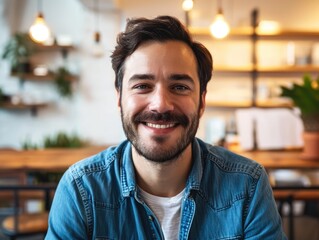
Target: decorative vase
{"type": "Point", "coordinates": [311, 145]}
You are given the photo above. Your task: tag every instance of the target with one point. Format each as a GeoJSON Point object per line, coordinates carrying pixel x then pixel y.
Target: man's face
{"type": "Point", "coordinates": [160, 99]}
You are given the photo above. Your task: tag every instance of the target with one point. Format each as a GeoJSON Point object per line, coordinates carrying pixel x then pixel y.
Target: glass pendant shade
{"type": "Point", "coordinates": [98, 49]}
{"type": "Point", "coordinates": [187, 5]}
{"type": "Point", "coordinates": [39, 31]}
{"type": "Point", "coordinates": [219, 28]}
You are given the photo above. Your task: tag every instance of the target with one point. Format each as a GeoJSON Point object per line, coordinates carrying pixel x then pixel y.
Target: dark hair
{"type": "Point", "coordinates": [162, 28]}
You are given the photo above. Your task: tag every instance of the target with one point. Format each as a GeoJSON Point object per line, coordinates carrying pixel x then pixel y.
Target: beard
{"type": "Point", "coordinates": [160, 153]}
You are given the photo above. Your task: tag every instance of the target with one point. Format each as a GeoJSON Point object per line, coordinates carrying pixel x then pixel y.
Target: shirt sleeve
{"type": "Point", "coordinates": [67, 218]}
{"type": "Point", "coordinates": [263, 220]}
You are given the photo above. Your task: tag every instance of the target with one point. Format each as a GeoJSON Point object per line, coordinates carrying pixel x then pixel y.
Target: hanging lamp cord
{"type": "Point", "coordinates": [219, 7]}
{"type": "Point", "coordinates": [40, 8]}
{"type": "Point", "coordinates": [97, 35]}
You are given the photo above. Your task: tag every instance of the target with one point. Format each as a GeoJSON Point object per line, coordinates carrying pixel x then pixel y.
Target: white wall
{"type": "Point", "coordinates": [92, 112]}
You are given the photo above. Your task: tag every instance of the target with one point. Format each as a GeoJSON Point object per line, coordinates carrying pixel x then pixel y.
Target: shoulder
{"type": "Point", "coordinates": [229, 162]}
{"type": "Point", "coordinates": [98, 162]}
{"type": "Point", "coordinates": [228, 177]}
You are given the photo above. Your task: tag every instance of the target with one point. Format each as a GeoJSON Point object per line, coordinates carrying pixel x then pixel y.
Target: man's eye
{"type": "Point", "coordinates": [141, 86]}
{"type": "Point", "coordinates": [181, 88]}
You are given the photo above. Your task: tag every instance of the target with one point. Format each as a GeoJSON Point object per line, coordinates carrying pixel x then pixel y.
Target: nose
{"type": "Point", "coordinates": [161, 101]}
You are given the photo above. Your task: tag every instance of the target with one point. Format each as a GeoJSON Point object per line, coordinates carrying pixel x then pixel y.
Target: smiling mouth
{"type": "Point", "coordinates": [161, 121]}
{"type": "Point", "coordinates": [160, 126]}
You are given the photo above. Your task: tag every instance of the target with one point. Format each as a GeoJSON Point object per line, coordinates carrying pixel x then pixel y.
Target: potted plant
{"type": "Point", "coordinates": [63, 140]}
{"type": "Point", "coordinates": [305, 96]}
{"type": "Point", "coordinates": [1, 96]}
{"type": "Point", "coordinates": [59, 140]}
{"type": "Point", "coordinates": [18, 51]}
{"type": "Point", "coordinates": [4, 98]}
{"type": "Point", "coordinates": [62, 78]}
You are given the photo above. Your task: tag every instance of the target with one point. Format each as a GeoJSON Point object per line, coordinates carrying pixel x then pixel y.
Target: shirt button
{"type": "Point", "coordinates": [150, 217]}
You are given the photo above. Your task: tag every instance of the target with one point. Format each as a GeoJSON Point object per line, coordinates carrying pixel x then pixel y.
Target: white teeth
{"type": "Point", "coordinates": [160, 125]}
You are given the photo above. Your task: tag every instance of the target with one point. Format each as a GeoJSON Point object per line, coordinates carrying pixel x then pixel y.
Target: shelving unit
{"type": "Point", "coordinates": [248, 104]}
{"type": "Point", "coordinates": [32, 77]}
{"type": "Point", "coordinates": [24, 106]}
{"type": "Point", "coordinates": [246, 32]}
{"type": "Point", "coordinates": [55, 47]}
{"type": "Point", "coordinates": [33, 107]}
{"type": "Point", "coordinates": [254, 70]}
{"type": "Point", "coordinates": [268, 69]}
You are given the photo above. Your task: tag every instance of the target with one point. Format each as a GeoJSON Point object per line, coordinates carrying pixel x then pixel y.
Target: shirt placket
{"type": "Point", "coordinates": [157, 233]}
{"type": "Point", "coordinates": [187, 216]}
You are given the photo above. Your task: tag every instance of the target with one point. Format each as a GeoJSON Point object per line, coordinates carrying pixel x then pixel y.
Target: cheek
{"type": "Point", "coordinates": [132, 104]}
{"type": "Point", "coordinates": [188, 106]}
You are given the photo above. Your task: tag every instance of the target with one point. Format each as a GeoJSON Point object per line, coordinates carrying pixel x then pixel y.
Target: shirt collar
{"type": "Point", "coordinates": [128, 181]}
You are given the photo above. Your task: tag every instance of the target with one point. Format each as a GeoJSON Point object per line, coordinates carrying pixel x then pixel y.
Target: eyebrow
{"type": "Point", "coordinates": [181, 77]}
{"type": "Point", "coordinates": [175, 77]}
{"type": "Point", "coordinates": [142, 77]}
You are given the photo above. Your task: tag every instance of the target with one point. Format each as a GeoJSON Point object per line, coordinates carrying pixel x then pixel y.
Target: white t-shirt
{"type": "Point", "coordinates": [167, 210]}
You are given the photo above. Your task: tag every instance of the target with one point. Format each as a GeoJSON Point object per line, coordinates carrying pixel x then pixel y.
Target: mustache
{"type": "Point", "coordinates": [163, 117]}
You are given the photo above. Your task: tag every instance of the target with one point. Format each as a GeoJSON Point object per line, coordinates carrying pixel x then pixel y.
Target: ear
{"type": "Point", "coordinates": [118, 95]}
{"type": "Point", "coordinates": [203, 104]}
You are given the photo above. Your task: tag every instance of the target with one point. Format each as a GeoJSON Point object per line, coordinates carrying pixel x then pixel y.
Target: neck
{"type": "Point", "coordinates": [163, 179]}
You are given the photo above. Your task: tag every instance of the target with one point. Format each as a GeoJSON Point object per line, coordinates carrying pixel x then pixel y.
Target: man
{"type": "Point", "coordinates": [163, 183]}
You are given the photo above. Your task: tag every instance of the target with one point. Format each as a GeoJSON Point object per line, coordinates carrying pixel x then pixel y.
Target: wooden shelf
{"type": "Point", "coordinates": [22, 105]}
{"type": "Point", "coordinates": [289, 69]}
{"type": "Point", "coordinates": [268, 69]}
{"type": "Point", "coordinates": [64, 49]}
{"type": "Point", "coordinates": [32, 77]}
{"type": "Point", "coordinates": [55, 47]}
{"type": "Point", "coordinates": [233, 69]}
{"type": "Point", "coordinates": [248, 104]}
{"type": "Point", "coordinates": [33, 107]}
{"type": "Point", "coordinates": [246, 32]}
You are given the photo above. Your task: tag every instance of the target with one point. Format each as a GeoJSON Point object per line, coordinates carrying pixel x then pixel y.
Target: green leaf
{"type": "Point", "coordinates": [62, 140]}
{"type": "Point", "coordinates": [62, 81]}
{"type": "Point", "coordinates": [18, 49]}
{"type": "Point", "coordinates": [305, 96]}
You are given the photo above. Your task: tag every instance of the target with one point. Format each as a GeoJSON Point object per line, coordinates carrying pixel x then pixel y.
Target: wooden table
{"type": "Point", "coordinates": [61, 159]}
{"type": "Point", "coordinates": [289, 159]}
{"type": "Point", "coordinates": [44, 160]}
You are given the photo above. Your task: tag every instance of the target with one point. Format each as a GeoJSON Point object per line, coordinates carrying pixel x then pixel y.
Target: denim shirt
{"type": "Point", "coordinates": [226, 197]}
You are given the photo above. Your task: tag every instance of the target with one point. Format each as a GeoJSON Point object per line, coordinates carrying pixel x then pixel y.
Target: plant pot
{"type": "Point", "coordinates": [311, 145]}
{"type": "Point", "coordinates": [24, 67]}
{"type": "Point", "coordinates": [311, 122]}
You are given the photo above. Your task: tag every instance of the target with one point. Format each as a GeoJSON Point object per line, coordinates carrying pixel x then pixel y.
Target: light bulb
{"type": "Point", "coordinates": [98, 49]}
{"type": "Point", "coordinates": [219, 28]}
{"type": "Point", "coordinates": [187, 5]}
{"type": "Point", "coordinates": [39, 31]}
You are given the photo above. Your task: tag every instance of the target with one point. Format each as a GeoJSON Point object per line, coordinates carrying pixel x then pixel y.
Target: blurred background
{"type": "Point", "coordinates": [91, 111]}
{"type": "Point", "coordinates": [57, 91]}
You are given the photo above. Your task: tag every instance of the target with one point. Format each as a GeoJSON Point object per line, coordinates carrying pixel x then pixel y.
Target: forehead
{"type": "Point", "coordinates": [165, 56]}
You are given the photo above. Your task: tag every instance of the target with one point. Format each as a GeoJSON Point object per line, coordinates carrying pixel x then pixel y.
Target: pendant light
{"type": "Point", "coordinates": [187, 5]}
{"type": "Point", "coordinates": [219, 28]}
{"type": "Point", "coordinates": [39, 31]}
{"type": "Point", "coordinates": [98, 49]}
